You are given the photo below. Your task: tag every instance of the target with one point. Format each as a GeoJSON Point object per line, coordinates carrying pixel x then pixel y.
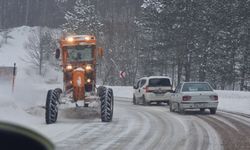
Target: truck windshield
{"type": "Point", "coordinates": [80, 53]}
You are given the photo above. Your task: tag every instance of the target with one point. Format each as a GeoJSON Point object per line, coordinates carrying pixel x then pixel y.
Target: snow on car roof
{"type": "Point", "coordinates": [150, 77]}
{"type": "Point", "coordinates": [159, 77]}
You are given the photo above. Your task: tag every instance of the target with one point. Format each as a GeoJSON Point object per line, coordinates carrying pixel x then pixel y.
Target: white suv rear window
{"type": "Point", "coordinates": [159, 82]}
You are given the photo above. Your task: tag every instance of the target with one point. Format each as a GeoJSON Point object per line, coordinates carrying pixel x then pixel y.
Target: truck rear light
{"type": "Point", "coordinates": [186, 98]}
{"type": "Point", "coordinates": [214, 97]}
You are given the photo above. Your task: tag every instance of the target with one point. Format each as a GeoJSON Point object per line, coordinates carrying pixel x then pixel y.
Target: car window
{"type": "Point", "coordinates": [196, 87]}
{"type": "Point", "coordinates": [142, 83]}
{"type": "Point", "coordinates": [138, 83]}
{"type": "Point", "coordinates": [159, 82]}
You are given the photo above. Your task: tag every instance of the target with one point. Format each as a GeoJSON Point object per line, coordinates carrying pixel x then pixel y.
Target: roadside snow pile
{"type": "Point", "coordinates": [10, 110]}
{"type": "Point", "coordinates": [236, 101]}
{"type": "Point", "coordinates": [30, 89]}
{"type": "Point", "coordinates": [123, 91]}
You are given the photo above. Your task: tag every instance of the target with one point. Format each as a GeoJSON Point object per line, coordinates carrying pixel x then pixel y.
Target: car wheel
{"type": "Point", "coordinates": [170, 107]}
{"type": "Point", "coordinates": [213, 110]}
{"type": "Point", "coordinates": [202, 109]}
{"type": "Point", "coordinates": [180, 110]}
{"type": "Point", "coordinates": [144, 101]}
{"type": "Point", "coordinates": [134, 100]}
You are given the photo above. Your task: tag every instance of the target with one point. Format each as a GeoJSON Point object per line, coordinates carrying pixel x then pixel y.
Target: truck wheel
{"type": "Point", "coordinates": [51, 107]}
{"type": "Point", "coordinates": [213, 110]}
{"type": "Point", "coordinates": [100, 90]}
{"type": "Point", "coordinates": [107, 104]}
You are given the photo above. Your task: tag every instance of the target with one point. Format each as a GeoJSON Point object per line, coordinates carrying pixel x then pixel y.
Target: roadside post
{"type": "Point", "coordinates": [13, 77]}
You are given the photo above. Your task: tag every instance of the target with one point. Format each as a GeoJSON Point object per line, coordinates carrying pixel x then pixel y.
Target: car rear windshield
{"type": "Point", "coordinates": [193, 87]}
{"type": "Point", "coordinates": [159, 82]}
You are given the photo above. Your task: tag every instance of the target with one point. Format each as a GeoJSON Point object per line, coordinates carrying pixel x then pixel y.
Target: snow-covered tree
{"type": "Point", "coordinates": [40, 48]}
{"type": "Point", "coordinates": [5, 36]}
{"type": "Point", "coordinates": [204, 40]}
{"type": "Point", "coordinates": [83, 19]}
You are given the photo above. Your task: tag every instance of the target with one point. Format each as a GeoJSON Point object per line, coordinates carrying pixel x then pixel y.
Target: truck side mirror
{"type": "Point", "coordinates": [57, 55]}
{"type": "Point", "coordinates": [100, 51]}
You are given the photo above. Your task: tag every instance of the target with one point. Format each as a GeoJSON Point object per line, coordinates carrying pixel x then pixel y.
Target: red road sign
{"type": "Point", "coordinates": [122, 74]}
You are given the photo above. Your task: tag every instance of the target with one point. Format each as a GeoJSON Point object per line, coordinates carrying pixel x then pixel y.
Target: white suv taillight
{"type": "Point", "coordinates": [148, 90]}
{"type": "Point", "coordinates": [214, 97]}
{"type": "Point", "coordinates": [186, 98]}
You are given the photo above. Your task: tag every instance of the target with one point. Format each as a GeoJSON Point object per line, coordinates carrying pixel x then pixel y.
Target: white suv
{"type": "Point", "coordinates": [152, 89]}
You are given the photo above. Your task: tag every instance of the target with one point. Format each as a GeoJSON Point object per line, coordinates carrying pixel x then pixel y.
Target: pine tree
{"type": "Point", "coordinates": [83, 19]}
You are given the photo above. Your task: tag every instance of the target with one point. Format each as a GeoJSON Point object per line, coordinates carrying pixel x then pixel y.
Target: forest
{"type": "Point", "coordinates": [187, 40]}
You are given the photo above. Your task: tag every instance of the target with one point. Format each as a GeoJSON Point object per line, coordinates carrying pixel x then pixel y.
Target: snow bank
{"type": "Point", "coordinates": [30, 89]}
{"type": "Point", "coordinates": [123, 91]}
{"type": "Point", "coordinates": [236, 101]}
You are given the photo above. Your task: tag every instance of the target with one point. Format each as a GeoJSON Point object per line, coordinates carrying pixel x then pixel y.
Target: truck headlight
{"type": "Point", "coordinates": [69, 67]}
{"type": "Point", "coordinates": [88, 80]}
{"type": "Point", "coordinates": [88, 67]}
{"type": "Point", "coordinates": [87, 38]}
{"type": "Point", "coordinates": [70, 39]}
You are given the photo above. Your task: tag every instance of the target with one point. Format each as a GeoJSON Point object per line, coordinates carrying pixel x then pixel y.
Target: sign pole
{"type": "Point", "coordinates": [13, 77]}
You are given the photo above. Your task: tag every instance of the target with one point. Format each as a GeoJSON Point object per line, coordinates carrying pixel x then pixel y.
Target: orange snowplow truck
{"type": "Point", "coordinates": [79, 55]}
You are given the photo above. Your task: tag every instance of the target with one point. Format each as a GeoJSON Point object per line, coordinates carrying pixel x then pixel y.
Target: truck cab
{"type": "Point", "coordinates": [79, 54]}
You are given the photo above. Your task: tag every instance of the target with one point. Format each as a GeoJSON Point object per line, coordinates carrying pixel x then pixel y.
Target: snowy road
{"type": "Point", "coordinates": [134, 127]}
{"type": "Point", "coordinates": [234, 130]}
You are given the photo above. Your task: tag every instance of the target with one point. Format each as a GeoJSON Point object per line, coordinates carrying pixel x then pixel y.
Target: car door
{"type": "Point", "coordinates": [177, 94]}
{"type": "Point", "coordinates": [141, 88]}
{"type": "Point", "coordinates": [136, 90]}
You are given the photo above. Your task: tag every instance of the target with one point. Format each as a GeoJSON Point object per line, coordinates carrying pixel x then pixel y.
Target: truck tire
{"type": "Point", "coordinates": [100, 90]}
{"type": "Point", "coordinates": [51, 109]}
{"type": "Point", "coordinates": [107, 104]}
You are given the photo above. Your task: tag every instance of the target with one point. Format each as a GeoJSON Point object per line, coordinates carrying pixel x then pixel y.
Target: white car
{"type": "Point", "coordinates": [152, 89]}
{"type": "Point", "coordinates": [194, 95]}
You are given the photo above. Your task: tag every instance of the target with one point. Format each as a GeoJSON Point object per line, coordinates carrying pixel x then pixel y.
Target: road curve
{"type": "Point", "coordinates": [133, 127]}
{"type": "Point", "coordinates": [234, 130]}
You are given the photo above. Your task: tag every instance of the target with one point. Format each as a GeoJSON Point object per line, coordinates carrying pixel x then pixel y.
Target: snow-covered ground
{"type": "Point", "coordinates": [236, 101]}
{"type": "Point", "coordinates": [24, 106]}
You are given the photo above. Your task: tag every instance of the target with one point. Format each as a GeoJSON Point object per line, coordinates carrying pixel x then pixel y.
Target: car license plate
{"type": "Point", "coordinates": [200, 105]}
{"type": "Point", "coordinates": [159, 95]}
